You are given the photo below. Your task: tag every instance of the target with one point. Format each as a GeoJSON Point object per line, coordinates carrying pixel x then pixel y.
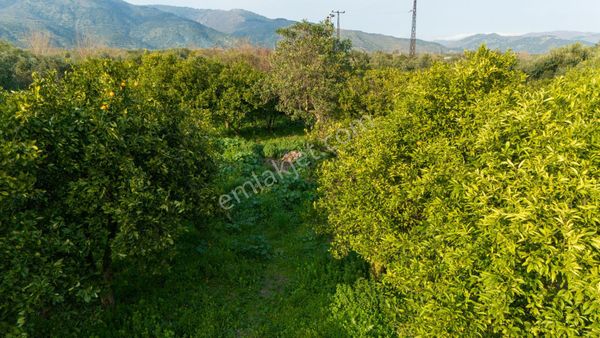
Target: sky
{"type": "Point", "coordinates": [437, 18]}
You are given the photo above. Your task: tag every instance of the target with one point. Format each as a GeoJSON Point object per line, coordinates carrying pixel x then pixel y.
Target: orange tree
{"type": "Point", "coordinates": [373, 93]}
{"type": "Point", "coordinates": [476, 202]}
{"type": "Point", "coordinates": [227, 95]}
{"type": "Point", "coordinates": [308, 70]}
{"type": "Point", "coordinates": [94, 170]}
{"type": "Point", "coordinates": [238, 93]}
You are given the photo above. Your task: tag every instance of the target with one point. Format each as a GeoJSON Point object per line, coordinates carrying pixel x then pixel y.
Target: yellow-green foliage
{"type": "Point", "coordinates": [373, 93]}
{"type": "Point", "coordinates": [477, 202]}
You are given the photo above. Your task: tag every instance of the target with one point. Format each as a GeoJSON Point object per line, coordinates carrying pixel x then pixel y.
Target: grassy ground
{"type": "Point", "coordinates": [262, 272]}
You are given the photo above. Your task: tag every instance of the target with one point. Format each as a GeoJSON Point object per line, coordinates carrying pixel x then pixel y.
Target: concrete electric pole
{"type": "Point", "coordinates": [339, 29]}
{"type": "Point", "coordinates": [413, 36]}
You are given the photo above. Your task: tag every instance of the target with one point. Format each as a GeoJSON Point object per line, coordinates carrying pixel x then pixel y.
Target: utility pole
{"type": "Point", "coordinates": [413, 36]}
{"type": "Point", "coordinates": [338, 14]}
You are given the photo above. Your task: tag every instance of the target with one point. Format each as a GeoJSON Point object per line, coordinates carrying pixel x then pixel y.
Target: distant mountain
{"type": "Point", "coordinates": [569, 35]}
{"type": "Point", "coordinates": [239, 23]}
{"type": "Point", "coordinates": [261, 31]}
{"type": "Point", "coordinates": [378, 42]}
{"type": "Point", "coordinates": [118, 24]}
{"type": "Point", "coordinates": [533, 43]}
{"type": "Point", "coordinates": [111, 23]}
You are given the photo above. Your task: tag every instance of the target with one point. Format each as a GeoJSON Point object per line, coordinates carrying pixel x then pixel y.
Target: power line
{"type": "Point", "coordinates": [413, 36]}
{"type": "Point", "coordinates": [338, 14]}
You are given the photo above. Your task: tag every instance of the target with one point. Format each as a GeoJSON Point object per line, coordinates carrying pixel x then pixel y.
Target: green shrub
{"type": "Point", "coordinates": [557, 62]}
{"type": "Point", "coordinates": [383, 60]}
{"type": "Point", "coordinates": [17, 66]}
{"type": "Point", "coordinates": [94, 171]}
{"type": "Point", "coordinates": [364, 309]}
{"type": "Point", "coordinates": [477, 203]}
{"type": "Point", "coordinates": [373, 93]}
{"type": "Point", "coordinates": [239, 160]}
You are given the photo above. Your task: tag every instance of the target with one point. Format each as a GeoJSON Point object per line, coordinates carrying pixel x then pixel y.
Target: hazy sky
{"type": "Point", "coordinates": [437, 18]}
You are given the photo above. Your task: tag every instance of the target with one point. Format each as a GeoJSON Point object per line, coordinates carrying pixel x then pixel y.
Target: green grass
{"type": "Point", "coordinates": [263, 272]}
{"type": "Point", "coordinates": [283, 127]}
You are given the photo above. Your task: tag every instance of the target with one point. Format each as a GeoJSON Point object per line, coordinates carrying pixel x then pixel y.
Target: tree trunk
{"type": "Point", "coordinates": [271, 122]}
{"type": "Point", "coordinates": [108, 297]}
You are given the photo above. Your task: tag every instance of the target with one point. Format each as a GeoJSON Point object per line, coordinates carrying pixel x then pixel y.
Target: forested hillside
{"type": "Point", "coordinates": [118, 24]}
{"type": "Point", "coordinates": [534, 43]}
{"type": "Point", "coordinates": [101, 23]}
{"type": "Point", "coordinates": [254, 28]}
{"type": "Point", "coordinates": [309, 191]}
